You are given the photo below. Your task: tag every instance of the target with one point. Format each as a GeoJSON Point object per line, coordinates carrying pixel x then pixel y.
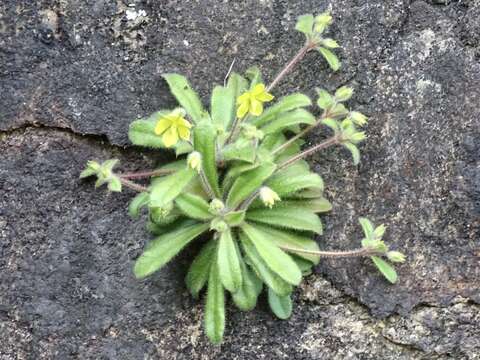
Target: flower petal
{"type": "Point", "coordinates": [184, 132]}
{"type": "Point", "coordinates": [256, 107]}
{"type": "Point", "coordinates": [182, 122]}
{"type": "Point", "coordinates": [162, 125]}
{"type": "Point", "coordinates": [243, 98]}
{"type": "Point", "coordinates": [242, 110]}
{"type": "Point", "coordinates": [264, 97]}
{"type": "Point", "coordinates": [258, 89]}
{"type": "Point", "coordinates": [170, 137]}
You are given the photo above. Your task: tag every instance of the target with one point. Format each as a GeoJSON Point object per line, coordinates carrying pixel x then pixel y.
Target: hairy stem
{"type": "Point", "coordinates": [248, 201]}
{"type": "Point", "coordinates": [295, 60]}
{"type": "Point", "coordinates": [132, 185]}
{"type": "Point", "coordinates": [145, 174]}
{"type": "Point", "coordinates": [335, 254]}
{"type": "Point", "coordinates": [206, 185]}
{"type": "Point", "coordinates": [323, 145]}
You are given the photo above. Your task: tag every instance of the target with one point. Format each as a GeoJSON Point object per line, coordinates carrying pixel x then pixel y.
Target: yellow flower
{"type": "Point", "coordinates": [252, 101]}
{"type": "Point", "coordinates": [173, 126]}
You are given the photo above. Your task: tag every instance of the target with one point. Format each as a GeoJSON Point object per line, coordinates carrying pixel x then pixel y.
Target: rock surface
{"type": "Point", "coordinates": [75, 73]}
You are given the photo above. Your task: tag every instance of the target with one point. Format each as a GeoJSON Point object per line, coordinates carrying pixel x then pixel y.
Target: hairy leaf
{"type": "Point", "coordinates": [385, 268]}
{"type": "Point", "coordinates": [305, 24]}
{"type": "Point", "coordinates": [290, 218]}
{"type": "Point", "coordinates": [248, 182]}
{"type": "Point", "coordinates": [289, 180]}
{"type": "Point", "coordinates": [290, 240]}
{"type": "Point", "coordinates": [193, 206]}
{"type": "Point", "coordinates": [254, 75]}
{"type": "Point", "coordinates": [331, 58]}
{"type": "Point", "coordinates": [169, 187]}
{"type": "Point", "coordinates": [186, 96]}
{"type": "Point", "coordinates": [316, 205]}
{"type": "Point", "coordinates": [234, 218]}
{"type": "Point", "coordinates": [367, 227]}
{"type": "Point", "coordinates": [275, 258]}
{"type": "Point", "coordinates": [215, 307]}
{"type": "Point", "coordinates": [142, 132]}
{"type": "Point", "coordinates": [354, 151]}
{"type": "Point", "coordinates": [287, 103]}
{"type": "Point", "coordinates": [204, 142]}
{"type": "Point", "coordinates": [284, 120]}
{"type": "Point", "coordinates": [246, 296]}
{"type": "Point", "coordinates": [165, 247]}
{"type": "Point", "coordinates": [281, 306]}
{"type": "Point", "coordinates": [269, 277]}
{"type": "Point", "coordinates": [199, 270]}
{"type": "Point", "coordinates": [222, 106]}
{"type": "Point", "coordinates": [240, 150]}
{"type": "Point", "coordinates": [228, 262]}
{"type": "Point", "coordinates": [139, 201]}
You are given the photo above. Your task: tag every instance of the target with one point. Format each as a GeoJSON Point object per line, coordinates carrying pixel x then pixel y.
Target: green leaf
{"type": "Point", "coordinates": [215, 307]}
{"type": "Point", "coordinates": [354, 151]}
{"type": "Point", "coordinates": [91, 169]}
{"type": "Point", "coordinates": [289, 180]}
{"type": "Point", "coordinates": [254, 75]}
{"type": "Point", "coordinates": [329, 43]}
{"type": "Point", "coordinates": [343, 93]}
{"type": "Point", "coordinates": [222, 106]}
{"type": "Point", "coordinates": [183, 147]}
{"type": "Point", "coordinates": [248, 182]}
{"type": "Point", "coordinates": [339, 110]}
{"type": "Point", "coordinates": [114, 184]}
{"type": "Point", "coordinates": [318, 205]}
{"type": "Point", "coordinates": [142, 132]}
{"type": "Point", "coordinates": [270, 278]}
{"type": "Point", "coordinates": [281, 306]}
{"type": "Point", "coordinates": [309, 193]}
{"type": "Point", "coordinates": [241, 149]}
{"type": "Point", "coordinates": [193, 206]}
{"type": "Point", "coordinates": [186, 96]}
{"type": "Point", "coordinates": [379, 231]}
{"type": "Point", "coordinates": [385, 268]}
{"type": "Point", "coordinates": [332, 124]}
{"type": "Point", "coordinates": [137, 203]}
{"type": "Point", "coordinates": [228, 263]}
{"type": "Point", "coordinates": [199, 270]}
{"type": "Point", "coordinates": [246, 296]}
{"type": "Point", "coordinates": [288, 239]}
{"type": "Point", "coordinates": [275, 258]}
{"type": "Point", "coordinates": [165, 247]}
{"type": "Point", "coordinates": [290, 218]}
{"type": "Point", "coordinates": [331, 58]}
{"type": "Point", "coordinates": [304, 265]}
{"type": "Point", "coordinates": [305, 24]}
{"type": "Point", "coordinates": [169, 187]}
{"type": "Point", "coordinates": [325, 100]}
{"type": "Point", "coordinates": [287, 103]}
{"type": "Point", "coordinates": [234, 218]}
{"type": "Point", "coordinates": [204, 142]}
{"type": "Point", "coordinates": [284, 120]}
{"type": "Point", "coordinates": [367, 227]}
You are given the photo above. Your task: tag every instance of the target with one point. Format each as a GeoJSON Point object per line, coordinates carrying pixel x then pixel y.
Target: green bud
{"type": "Point", "coordinates": [268, 196]}
{"type": "Point", "coordinates": [216, 206]}
{"type": "Point", "coordinates": [329, 43]}
{"type": "Point", "coordinates": [396, 256]}
{"type": "Point", "coordinates": [358, 136]}
{"type": "Point", "coordinates": [194, 161]}
{"type": "Point", "coordinates": [358, 118]}
{"type": "Point", "coordinates": [343, 93]}
{"type": "Point", "coordinates": [321, 22]}
{"type": "Point", "coordinates": [219, 225]}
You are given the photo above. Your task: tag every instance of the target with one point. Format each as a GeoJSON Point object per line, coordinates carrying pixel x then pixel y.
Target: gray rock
{"type": "Point", "coordinates": [74, 74]}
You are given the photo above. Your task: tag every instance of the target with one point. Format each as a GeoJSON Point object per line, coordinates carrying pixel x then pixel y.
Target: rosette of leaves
{"type": "Point", "coordinates": [241, 187]}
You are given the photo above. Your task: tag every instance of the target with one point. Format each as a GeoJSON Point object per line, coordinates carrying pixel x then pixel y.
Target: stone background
{"type": "Point", "coordinates": [75, 73]}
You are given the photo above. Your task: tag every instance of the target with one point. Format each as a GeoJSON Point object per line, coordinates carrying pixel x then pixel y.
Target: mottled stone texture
{"type": "Point", "coordinates": [73, 74]}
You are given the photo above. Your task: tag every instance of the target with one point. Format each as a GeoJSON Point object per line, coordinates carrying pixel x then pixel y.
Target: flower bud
{"type": "Point", "coordinates": [395, 256]}
{"type": "Point", "coordinates": [216, 206]}
{"type": "Point", "coordinates": [194, 161]}
{"type": "Point", "coordinates": [219, 225]}
{"type": "Point", "coordinates": [358, 118]}
{"type": "Point", "coordinates": [268, 196]}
